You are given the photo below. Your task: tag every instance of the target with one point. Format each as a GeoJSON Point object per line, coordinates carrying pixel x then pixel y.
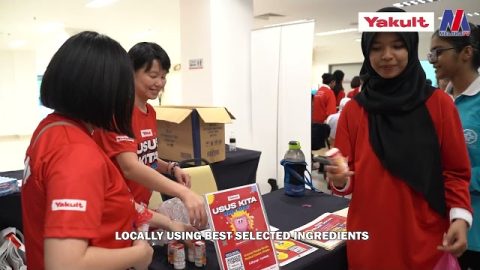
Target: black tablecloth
{"type": "Point", "coordinates": [10, 205]}
{"type": "Point", "coordinates": [285, 213]}
{"type": "Point", "coordinates": [239, 168]}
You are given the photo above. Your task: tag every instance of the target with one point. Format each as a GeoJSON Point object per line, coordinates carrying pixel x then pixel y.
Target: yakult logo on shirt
{"type": "Point", "coordinates": [123, 138]}
{"type": "Point", "coordinates": [396, 21]}
{"type": "Point", "coordinates": [146, 133]}
{"type": "Point", "coordinates": [69, 205]}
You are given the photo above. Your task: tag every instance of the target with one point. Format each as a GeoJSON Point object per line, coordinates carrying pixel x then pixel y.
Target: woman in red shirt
{"type": "Point", "coordinates": [404, 141]}
{"type": "Point", "coordinates": [74, 199]}
{"type": "Point", "coordinates": [137, 157]}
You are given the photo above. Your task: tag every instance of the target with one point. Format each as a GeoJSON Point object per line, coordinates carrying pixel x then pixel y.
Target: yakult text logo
{"type": "Point", "coordinates": [454, 25]}
{"type": "Point", "coordinates": [69, 205]}
{"type": "Point", "coordinates": [146, 133]}
{"type": "Point", "coordinates": [396, 21]}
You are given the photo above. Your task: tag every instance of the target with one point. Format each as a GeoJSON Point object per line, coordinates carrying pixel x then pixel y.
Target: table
{"type": "Point", "coordinates": [11, 206]}
{"type": "Point", "coordinates": [285, 213]}
{"type": "Point", "coordinates": [239, 168]}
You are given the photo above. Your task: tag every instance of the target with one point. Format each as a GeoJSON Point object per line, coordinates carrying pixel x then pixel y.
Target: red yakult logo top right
{"type": "Point", "coordinates": [452, 24]}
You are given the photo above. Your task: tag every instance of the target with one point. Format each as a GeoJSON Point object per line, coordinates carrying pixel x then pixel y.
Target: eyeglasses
{"type": "Point", "coordinates": [433, 55]}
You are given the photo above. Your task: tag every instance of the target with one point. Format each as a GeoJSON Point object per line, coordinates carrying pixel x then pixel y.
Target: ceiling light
{"type": "Point", "coordinates": [439, 18]}
{"type": "Point", "coordinates": [99, 3]}
{"type": "Point", "coordinates": [470, 14]}
{"type": "Point", "coordinates": [413, 2]}
{"type": "Point", "coordinates": [476, 13]}
{"type": "Point", "coordinates": [288, 23]}
{"type": "Point", "coordinates": [334, 32]}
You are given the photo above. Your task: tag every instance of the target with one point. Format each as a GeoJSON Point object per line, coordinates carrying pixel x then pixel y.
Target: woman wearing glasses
{"type": "Point", "coordinates": [458, 59]}
{"type": "Point", "coordinates": [404, 142]}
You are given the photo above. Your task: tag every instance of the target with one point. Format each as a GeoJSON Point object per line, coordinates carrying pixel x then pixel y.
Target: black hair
{"type": "Point", "coordinates": [327, 78]}
{"type": "Point", "coordinates": [355, 82]}
{"type": "Point", "coordinates": [143, 54]}
{"type": "Point", "coordinates": [460, 42]}
{"type": "Point", "coordinates": [338, 76]}
{"type": "Point", "coordinates": [90, 78]}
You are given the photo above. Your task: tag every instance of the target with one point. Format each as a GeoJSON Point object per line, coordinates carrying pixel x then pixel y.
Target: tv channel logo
{"type": "Point", "coordinates": [454, 25]}
{"type": "Point", "coordinates": [396, 21]}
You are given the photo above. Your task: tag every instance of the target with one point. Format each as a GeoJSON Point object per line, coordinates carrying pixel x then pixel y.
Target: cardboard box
{"type": "Point", "coordinates": [186, 132]}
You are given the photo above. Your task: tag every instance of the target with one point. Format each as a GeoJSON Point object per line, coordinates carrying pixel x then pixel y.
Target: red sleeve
{"type": "Point", "coordinates": [346, 126]}
{"type": "Point", "coordinates": [455, 162]}
{"type": "Point", "coordinates": [113, 143]}
{"type": "Point", "coordinates": [331, 106]}
{"type": "Point", "coordinates": [75, 190]}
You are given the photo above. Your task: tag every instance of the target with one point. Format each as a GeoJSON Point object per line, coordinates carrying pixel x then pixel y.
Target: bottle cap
{"type": "Point", "coordinates": [294, 145]}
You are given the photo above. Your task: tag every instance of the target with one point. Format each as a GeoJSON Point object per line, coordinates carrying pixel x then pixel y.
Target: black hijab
{"type": "Point", "coordinates": [402, 133]}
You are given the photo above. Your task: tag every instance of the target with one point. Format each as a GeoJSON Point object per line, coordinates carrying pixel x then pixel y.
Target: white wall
{"type": "Point", "coordinates": [281, 73]}
{"type": "Point", "coordinates": [231, 22]}
{"type": "Point", "coordinates": [195, 43]}
{"type": "Point", "coordinates": [19, 105]}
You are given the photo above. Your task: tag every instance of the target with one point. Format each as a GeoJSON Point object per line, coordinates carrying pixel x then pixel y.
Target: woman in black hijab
{"type": "Point", "coordinates": [404, 141]}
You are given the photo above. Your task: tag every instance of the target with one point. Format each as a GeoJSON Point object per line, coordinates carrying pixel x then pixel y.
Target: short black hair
{"type": "Point", "coordinates": [90, 78]}
{"type": "Point", "coordinates": [460, 42]}
{"type": "Point", "coordinates": [355, 82]}
{"type": "Point", "coordinates": [327, 78]}
{"type": "Point", "coordinates": [143, 54]}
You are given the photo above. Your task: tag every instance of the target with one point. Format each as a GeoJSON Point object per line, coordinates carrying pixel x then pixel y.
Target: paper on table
{"type": "Point", "coordinates": [327, 222]}
{"type": "Point", "coordinates": [342, 212]}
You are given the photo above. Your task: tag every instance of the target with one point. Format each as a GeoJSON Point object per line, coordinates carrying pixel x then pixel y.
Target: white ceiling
{"type": "Point", "coordinates": [132, 19]}
{"type": "Point", "coordinates": [341, 14]}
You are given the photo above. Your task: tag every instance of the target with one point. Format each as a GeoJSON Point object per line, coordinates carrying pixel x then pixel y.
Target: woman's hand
{"type": "Point", "coordinates": [196, 209]}
{"type": "Point", "coordinates": [176, 226]}
{"type": "Point", "coordinates": [147, 251]}
{"type": "Point", "coordinates": [455, 240]}
{"type": "Point", "coordinates": [182, 177]}
{"type": "Point", "coordinates": [337, 175]}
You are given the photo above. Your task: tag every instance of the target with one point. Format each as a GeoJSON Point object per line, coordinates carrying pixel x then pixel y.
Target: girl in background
{"type": "Point", "coordinates": [338, 90]}
{"type": "Point", "coordinates": [457, 59]}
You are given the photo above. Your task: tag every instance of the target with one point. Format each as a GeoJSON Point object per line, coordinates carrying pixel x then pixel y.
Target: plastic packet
{"type": "Point", "coordinates": [175, 210]}
{"type": "Point", "coordinates": [447, 262]}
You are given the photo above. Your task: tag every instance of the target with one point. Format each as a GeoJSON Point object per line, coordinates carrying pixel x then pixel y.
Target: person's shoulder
{"type": "Point", "coordinates": [352, 106]}
{"type": "Point", "coordinates": [440, 97]}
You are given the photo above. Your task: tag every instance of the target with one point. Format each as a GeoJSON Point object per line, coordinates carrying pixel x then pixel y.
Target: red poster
{"type": "Point", "coordinates": [239, 212]}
